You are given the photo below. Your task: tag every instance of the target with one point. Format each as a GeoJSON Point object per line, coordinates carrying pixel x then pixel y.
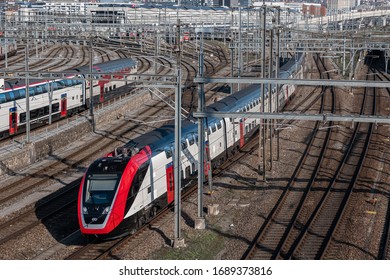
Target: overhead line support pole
{"type": "Point", "coordinates": [200, 221]}
{"type": "Point", "coordinates": [27, 95]}
{"type": "Point", "coordinates": [91, 116]}
{"type": "Point", "coordinates": [178, 241]}
{"type": "Point", "coordinates": [262, 144]}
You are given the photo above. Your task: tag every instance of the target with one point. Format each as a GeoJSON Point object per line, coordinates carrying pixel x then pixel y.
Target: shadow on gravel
{"type": "Point", "coordinates": [58, 214]}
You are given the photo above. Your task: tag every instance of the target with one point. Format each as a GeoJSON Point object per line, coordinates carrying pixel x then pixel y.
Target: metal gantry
{"type": "Point", "coordinates": [250, 33]}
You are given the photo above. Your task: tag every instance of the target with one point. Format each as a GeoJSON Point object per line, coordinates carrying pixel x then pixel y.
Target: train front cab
{"type": "Point", "coordinates": [13, 121]}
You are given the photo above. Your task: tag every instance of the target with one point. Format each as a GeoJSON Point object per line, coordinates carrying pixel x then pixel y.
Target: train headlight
{"type": "Point", "coordinates": [85, 210]}
{"type": "Point", "coordinates": [106, 210]}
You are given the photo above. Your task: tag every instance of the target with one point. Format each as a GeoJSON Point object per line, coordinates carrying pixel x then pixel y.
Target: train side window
{"type": "Point", "coordinates": [213, 127]}
{"type": "Point", "coordinates": [2, 98]}
{"type": "Point", "coordinates": [22, 93]}
{"type": "Point", "coordinates": [184, 145]}
{"type": "Point", "coordinates": [188, 171]}
{"type": "Point", "coordinates": [37, 90]}
{"type": "Point", "coordinates": [168, 152]}
{"type": "Point", "coordinates": [16, 95]}
{"type": "Point", "coordinates": [219, 125]}
{"type": "Point", "coordinates": [55, 107]}
{"type": "Point", "coordinates": [60, 84]}
{"type": "Point", "coordinates": [191, 139]}
{"type": "Point", "coordinates": [193, 168]}
{"type": "Point", "coordinates": [22, 117]}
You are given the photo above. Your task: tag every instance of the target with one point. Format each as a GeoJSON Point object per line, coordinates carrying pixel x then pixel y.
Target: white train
{"type": "Point", "coordinates": [68, 95]}
{"type": "Point", "coordinates": [122, 190]}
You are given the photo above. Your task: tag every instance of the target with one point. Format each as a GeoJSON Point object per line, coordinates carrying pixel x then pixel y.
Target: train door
{"type": "Point", "coordinates": [64, 105]}
{"type": "Point", "coordinates": [170, 183]}
{"type": "Point", "coordinates": [207, 159]}
{"type": "Point", "coordinates": [242, 132]}
{"type": "Point", "coordinates": [101, 94]}
{"type": "Point", "coordinates": [13, 121]}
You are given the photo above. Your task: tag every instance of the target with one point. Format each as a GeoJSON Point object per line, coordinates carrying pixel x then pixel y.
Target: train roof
{"type": "Point", "coordinates": [109, 66]}
{"type": "Point", "coordinates": [105, 67]}
{"type": "Point", "coordinates": [161, 138]}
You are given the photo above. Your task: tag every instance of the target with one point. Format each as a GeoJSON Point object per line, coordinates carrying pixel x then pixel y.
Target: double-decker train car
{"type": "Point", "coordinates": [124, 189]}
{"type": "Point", "coordinates": [66, 96]}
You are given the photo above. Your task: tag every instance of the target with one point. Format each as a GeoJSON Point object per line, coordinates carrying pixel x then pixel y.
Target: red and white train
{"type": "Point", "coordinates": [68, 95]}
{"type": "Point", "coordinates": [124, 189]}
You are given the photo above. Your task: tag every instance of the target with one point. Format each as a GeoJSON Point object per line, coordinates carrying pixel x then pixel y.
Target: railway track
{"type": "Point", "coordinates": [111, 249]}
{"type": "Point", "coordinates": [310, 232]}
{"type": "Point", "coordinates": [13, 228]}
{"type": "Point", "coordinates": [268, 242]}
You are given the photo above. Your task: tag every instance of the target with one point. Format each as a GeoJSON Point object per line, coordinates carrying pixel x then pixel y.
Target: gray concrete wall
{"type": "Point", "coordinates": [20, 156]}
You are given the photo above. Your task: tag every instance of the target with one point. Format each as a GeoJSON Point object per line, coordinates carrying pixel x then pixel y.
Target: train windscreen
{"type": "Point", "coordinates": [101, 188]}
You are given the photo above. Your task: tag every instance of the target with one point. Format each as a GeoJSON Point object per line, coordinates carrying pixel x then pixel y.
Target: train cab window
{"type": "Point", "coordinates": [101, 188]}
{"type": "Point", "coordinates": [219, 125]}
